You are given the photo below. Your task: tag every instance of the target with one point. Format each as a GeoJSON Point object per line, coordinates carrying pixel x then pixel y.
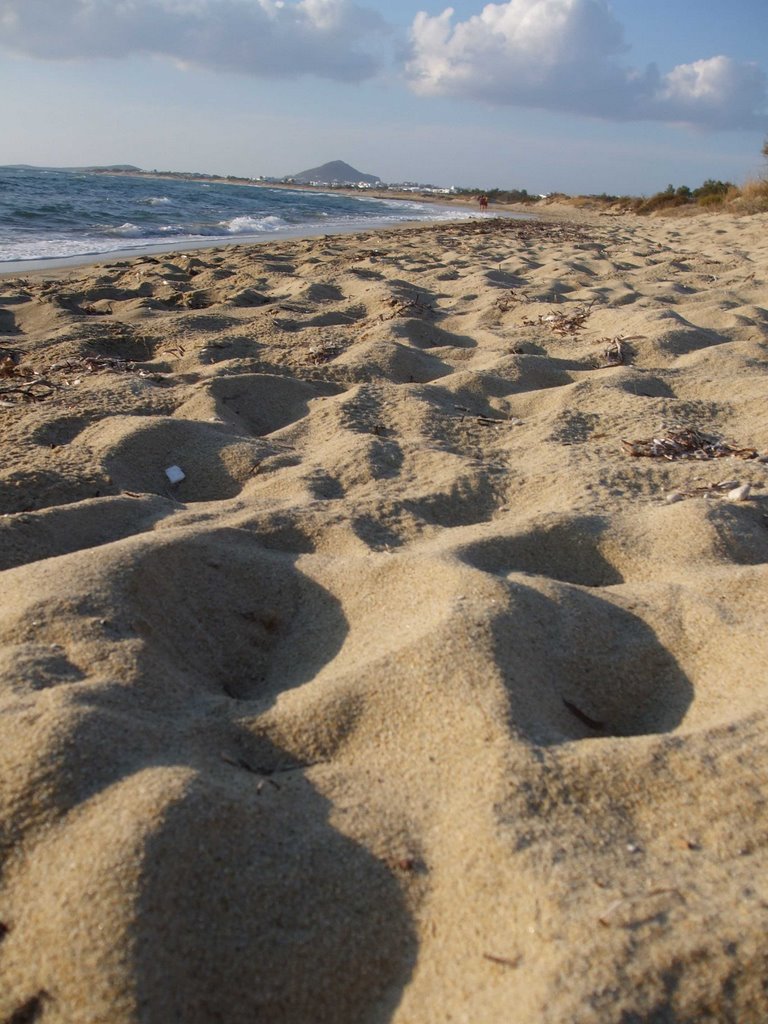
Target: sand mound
{"type": "Point", "coordinates": [435, 690]}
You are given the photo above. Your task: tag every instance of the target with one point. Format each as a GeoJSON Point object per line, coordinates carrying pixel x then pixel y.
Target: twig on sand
{"type": "Point", "coordinates": [486, 421]}
{"type": "Point", "coordinates": [95, 364]}
{"type": "Point", "coordinates": [582, 716]}
{"type": "Point", "coordinates": [605, 917]}
{"type": "Point", "coordinates": [505, 961]}
{"type": "Point", "coordinates": [29, 390]}
{"type": "Point", "coordinates": [686, 443]}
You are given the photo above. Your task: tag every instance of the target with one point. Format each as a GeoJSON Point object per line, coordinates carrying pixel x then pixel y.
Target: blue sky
{"type": "Point", "coordinates": [570, 95]}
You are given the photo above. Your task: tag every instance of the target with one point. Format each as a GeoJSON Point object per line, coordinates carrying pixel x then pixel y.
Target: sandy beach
{"type": "Point", "coordinates": [385, 628]}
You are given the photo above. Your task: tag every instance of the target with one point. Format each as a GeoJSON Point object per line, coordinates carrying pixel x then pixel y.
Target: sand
{"type": "Point", "coordinates": [420, 698]}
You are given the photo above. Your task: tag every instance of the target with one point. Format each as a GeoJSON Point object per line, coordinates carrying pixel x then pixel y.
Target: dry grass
{"type": "Point", "coordinates": [752, 197]}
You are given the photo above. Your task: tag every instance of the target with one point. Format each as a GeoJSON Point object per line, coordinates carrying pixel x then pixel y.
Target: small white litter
{"type": "Point", "coordinates": [740, 493]}
{"type": "Point", "coordinates": [175, 474]}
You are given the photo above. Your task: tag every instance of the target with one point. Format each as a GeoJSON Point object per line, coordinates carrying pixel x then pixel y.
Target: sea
{"type": "Point", "coordinates": [63, 215]}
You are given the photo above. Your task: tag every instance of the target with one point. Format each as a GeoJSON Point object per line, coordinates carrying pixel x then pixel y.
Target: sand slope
{"type": "Point", "coordinates": [420, 699]}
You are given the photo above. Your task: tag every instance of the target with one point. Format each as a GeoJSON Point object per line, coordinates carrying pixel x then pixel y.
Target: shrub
{"type": "Point", "coordinates": [662, 201]}
{"type": "Point", "coordinates": [754, 196]}
{"type": "Point", "coordinates": [712, 188]}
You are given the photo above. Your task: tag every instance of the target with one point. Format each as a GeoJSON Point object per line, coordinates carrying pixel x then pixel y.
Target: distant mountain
{"type": "Point", "coordinates": [114, 167]}
{"type": "Point", "coordinates": [33, 167]}
{"type": "Point", "coordinates": [336, 173]}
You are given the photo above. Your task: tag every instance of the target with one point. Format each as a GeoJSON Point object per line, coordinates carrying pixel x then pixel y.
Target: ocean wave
{"type": "Point", "coordinates": [126, 230]}
{"type": "Point", "coordinates": [108, 215]}
{"type": "Point", "coordinates": [252, 225]}
{"type": "Point", "coordinates": [62, 248]}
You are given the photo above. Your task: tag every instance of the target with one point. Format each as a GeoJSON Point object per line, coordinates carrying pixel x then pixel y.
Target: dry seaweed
{"type": "Point", "coordinates": [562, 323]}
{"type": "Point", "coordinates": [615, 353]}
{"type": "Point", "coordinates": [95, 364]}
{"type": "Point", "coordinates": [507, 301]}
{"type": "Point", "coordinates": [686, 443]}
{"type": "Point", "coordinates": [26, 384]}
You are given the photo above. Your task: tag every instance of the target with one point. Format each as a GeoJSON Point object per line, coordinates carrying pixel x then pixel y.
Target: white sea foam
{"type": "Point", "coordinates": [252, 225]}
{"type": "Point", "coordinates": [126, 230]}
{"type": "Point", "coordinates": [294, 214]}
{"type": "Point", "coordinates": [61, 248]}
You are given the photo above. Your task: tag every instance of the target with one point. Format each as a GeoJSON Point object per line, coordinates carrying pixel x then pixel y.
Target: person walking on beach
{"type": "Point", "coordinates": [483, 200]}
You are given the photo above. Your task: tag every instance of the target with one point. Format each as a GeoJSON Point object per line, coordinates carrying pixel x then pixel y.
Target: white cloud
{"type": "Point", "coordinates": [565, 55]}
{"type": "Point", "coordinates": [268, 38]}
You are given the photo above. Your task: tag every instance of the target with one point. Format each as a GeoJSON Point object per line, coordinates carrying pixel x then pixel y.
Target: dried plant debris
{"type": "Point", "coordinates": [635, 903]}
{"type": "Point", "coordinates": [34, 389]}
{"type": "Point", "coordinates": [730, 489]}
{"type": "Point", "coordinates": [368, 254]}
{"type": "Point", "coordinates": [616, 352]}
{"type": "Point", "coordinates": [506, 301]}
{"type": "Point", "coordinates": [407, 307]}
{"type": "Point", "coordinates": [96, 364]}
{"type": "Point", "coordinates": [687, 443]}
{"type": "Point", "coordinates": [71, 371]}
{"type": "Point", "coordinates": [487, 421]}
{"type": "Point", "coordinates": [562, 323]}
{"type": "Point", "coordinates": [323, 352]}
{"type": "Point", "coordinates": [10, 366]}
{"type": "Point", "coordinates": [22, 383]}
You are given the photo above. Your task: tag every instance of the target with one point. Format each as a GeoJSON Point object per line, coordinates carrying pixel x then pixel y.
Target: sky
{"type": "Point", "coordinates": [576, 96]}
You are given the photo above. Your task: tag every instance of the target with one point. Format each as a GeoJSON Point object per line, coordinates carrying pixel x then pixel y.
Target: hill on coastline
{"type": "Point", "coordinates": [91, 167]}
{"type": "Point", "coordinates": [335, 173]}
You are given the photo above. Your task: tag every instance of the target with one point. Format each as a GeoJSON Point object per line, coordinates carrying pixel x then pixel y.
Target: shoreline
{"type": "Point", "coordinates": [212, 242]}
{"type": "Point", "coordinates": [168, 248]}
{"type": "Point", "coordinates": [13, 268]}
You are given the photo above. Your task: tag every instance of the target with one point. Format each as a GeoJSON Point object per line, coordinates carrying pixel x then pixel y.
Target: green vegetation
{"type": "Point", "coordinates": [711, 193]}
{"type": "Point", "coordinates": [499, 195]}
